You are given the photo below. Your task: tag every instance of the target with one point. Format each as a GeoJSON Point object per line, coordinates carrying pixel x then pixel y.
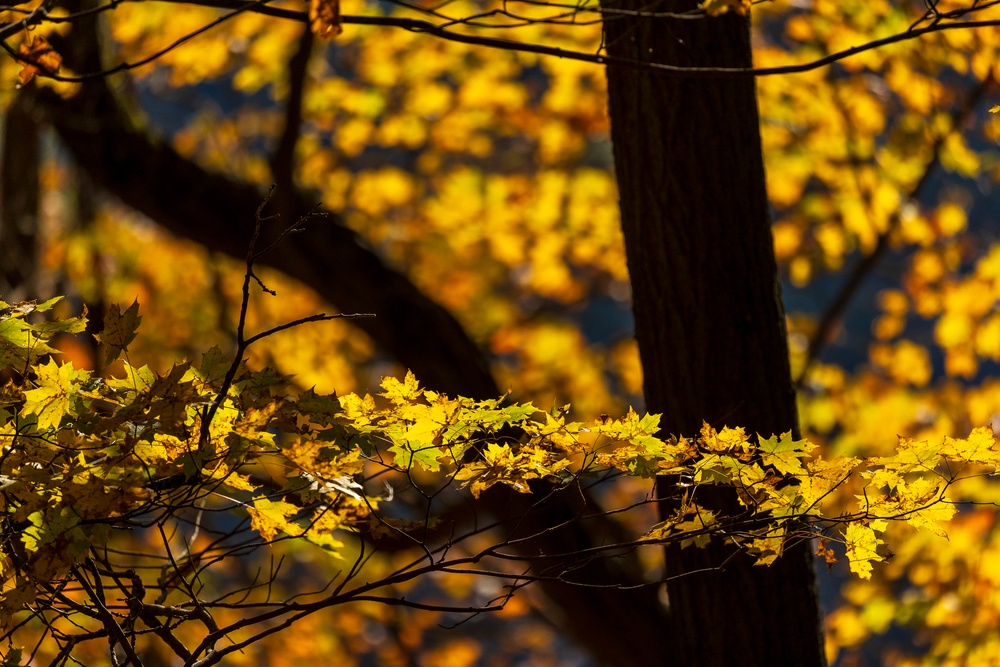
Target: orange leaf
{"type": "Point", "coordinates": [324, 18]}
{"type": "Point", "coordinates": [37, 56]}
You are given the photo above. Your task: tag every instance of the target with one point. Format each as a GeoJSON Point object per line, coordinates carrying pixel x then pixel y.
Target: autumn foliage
{"type": "Point", "coordinates": [151, 505]}
{"type": "Point", "coordinates": [86, 457]}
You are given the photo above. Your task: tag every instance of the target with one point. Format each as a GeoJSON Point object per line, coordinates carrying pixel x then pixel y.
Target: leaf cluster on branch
{"type": "Point", "coordinates": [88, 459]}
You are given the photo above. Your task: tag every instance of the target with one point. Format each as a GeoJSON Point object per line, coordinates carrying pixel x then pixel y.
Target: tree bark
{"type": "Point", "coordinates": [708, 311]}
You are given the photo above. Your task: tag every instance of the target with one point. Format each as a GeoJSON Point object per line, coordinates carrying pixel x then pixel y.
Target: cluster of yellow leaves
{"type": "Point", "coordinates": [83, 454]}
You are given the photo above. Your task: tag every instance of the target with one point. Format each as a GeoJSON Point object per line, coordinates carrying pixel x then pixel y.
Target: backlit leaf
{"type": "Point", "coordinates": [38, 57]}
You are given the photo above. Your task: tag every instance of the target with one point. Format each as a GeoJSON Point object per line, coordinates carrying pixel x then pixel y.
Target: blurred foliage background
{"type": "Point", "coordinates": [484, 176]}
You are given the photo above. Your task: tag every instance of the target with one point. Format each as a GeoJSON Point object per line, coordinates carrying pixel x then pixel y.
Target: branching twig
{"type": "Point", "coordinates": [243, 342]}
{"type": "Point", "coordinates": [442, 31]}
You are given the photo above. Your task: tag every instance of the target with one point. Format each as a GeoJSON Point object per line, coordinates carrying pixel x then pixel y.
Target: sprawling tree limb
{"type": "Point", "coordinates": [218, 212]}
{"type": "Point", "coordinates": [708, 311]}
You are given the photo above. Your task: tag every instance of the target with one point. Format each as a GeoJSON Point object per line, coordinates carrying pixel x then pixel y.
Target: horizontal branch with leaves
{"type": "Point", "coordinates": [123, 494]}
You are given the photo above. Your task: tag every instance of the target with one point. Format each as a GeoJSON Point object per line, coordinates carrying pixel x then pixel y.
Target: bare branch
{"type": "Point", "coordinates": [443, 31]}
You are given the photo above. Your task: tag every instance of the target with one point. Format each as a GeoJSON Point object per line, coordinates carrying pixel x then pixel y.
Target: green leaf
{"type": "Point", "coordinates": [16, 342]}
{"type": "Point", "coordinates": [12, 659]}
{"type": "Point", "coordinates": [407, 455]}
{"type": "Point", "coordinates": [321, 410]}
{"type": "Point", "coordinates": [47, 305]}
{"type": "Point", "coordinates": [214, 365]}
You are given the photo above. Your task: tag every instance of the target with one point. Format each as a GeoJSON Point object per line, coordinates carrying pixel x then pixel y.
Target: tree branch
{"type": "Point", "coordinates": [283, 160]}
{"type": "Point", "coordinates": [218, 213]}
{"type": "Point", "coordinates": [442, 31]}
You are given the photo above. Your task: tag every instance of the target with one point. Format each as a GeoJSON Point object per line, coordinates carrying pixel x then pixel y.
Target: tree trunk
{"type": "Point", "coordinates": [708, 312]}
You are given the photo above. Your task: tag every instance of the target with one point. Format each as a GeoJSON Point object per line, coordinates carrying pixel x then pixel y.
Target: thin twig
{"type": "Point", "coordinates": [427, 27]}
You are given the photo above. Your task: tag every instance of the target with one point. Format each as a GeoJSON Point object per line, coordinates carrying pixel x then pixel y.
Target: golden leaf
{"type": "Point", "coordinates": [862, 548]}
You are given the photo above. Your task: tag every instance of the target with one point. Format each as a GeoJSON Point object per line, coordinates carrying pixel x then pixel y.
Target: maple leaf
{"type": "Point", "coordinates": [862, 547]}
{"type": "Point", "coordinates": [401, 392]}
{"type": "Point", "coordinates": [119, 330]}
{"type": "Point", "coordinates": [726, 440]}
{"type": "Point", "coordinates": [56, 386]}
{"type": "Point", "coordinates": [269, 517]}
{"type": "Point", "coordinates": [322, 410]}
{"type": "Point", "coordinates": [21, 343]}
{"type": "Point", "coordinates": [408, 454]}
{"type": "Point", "coordinates": [691, 519]}
{"type": "Point", "coordinates": [784, 453]}
{"type": "Point", "coordinates": [225, 474]}
{"type": "Point", "coordinates": [214, 366]}
{"type": "Point", "coordinates": [828, 555]}
{"type": "Point", "coordinates": [16, 342]}
{"type": "Point", "coordinates": [770, 546]}
{"type": "Point", "coordinates": [979, 447]}
{"type": "Point", "coordinates": [324, 18]}
{"type": "Point", "coordinates": [37, 56]}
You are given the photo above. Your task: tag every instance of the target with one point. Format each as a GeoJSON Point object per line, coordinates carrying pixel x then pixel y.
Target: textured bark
{"type": "Point", "coordinates": [709, 318]}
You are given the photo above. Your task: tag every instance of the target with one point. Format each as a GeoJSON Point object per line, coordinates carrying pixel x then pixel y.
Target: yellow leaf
{"type": "Point", "coordinates": [401, 392]}
{"type": "Point", "coordinates": [784, 453]}
{"type": "Point", "coordinates": [51, 400]}
{"type": "Point", "coordinates": [223, 473]}
{"type": "Point", "coordinates": [862, 549]}
{"type": "Point", "coordinates": [979, 447]}
{"type": "Point", "coordinates": [269, 517]}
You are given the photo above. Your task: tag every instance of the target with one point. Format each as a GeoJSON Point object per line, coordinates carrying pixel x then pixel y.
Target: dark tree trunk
{"type": "Point", "coordinates": [709, 318]}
